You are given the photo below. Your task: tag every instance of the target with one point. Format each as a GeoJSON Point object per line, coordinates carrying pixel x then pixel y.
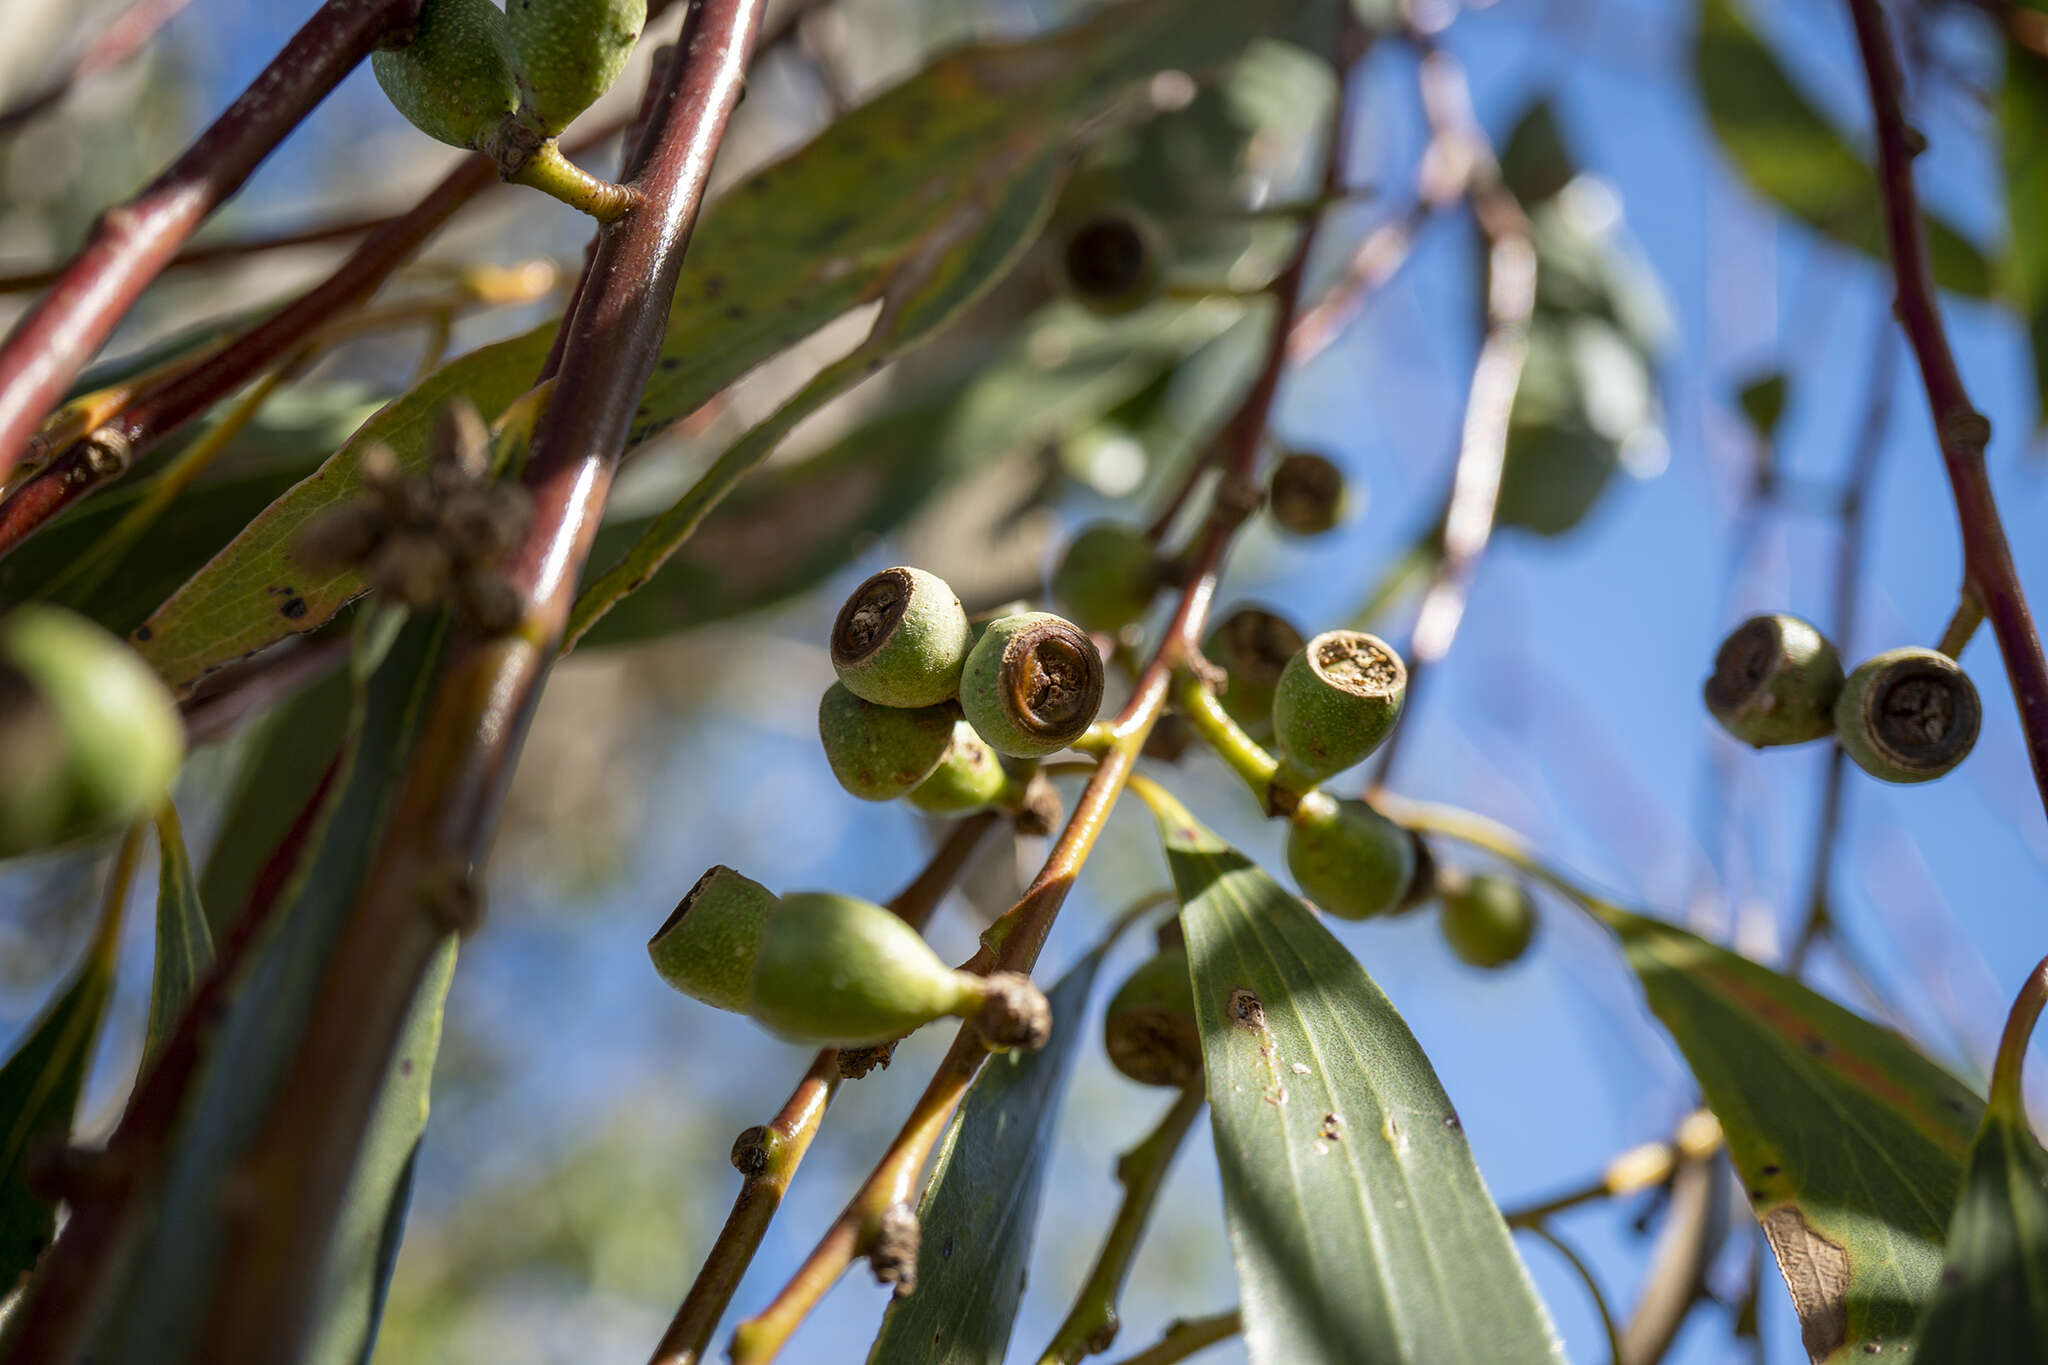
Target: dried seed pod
{"type": "Point", "coordinates": [1348, 858]}
{"type": "Point", "coordinates": [1113, 261]}
{"type": "Point", "coordinates": [89, 736]}
{"type": "Point", "coordinates": [454, 80]}
{"type": "Point", "coordinates": [1252, 647]}
{"type": "Point", "coordinates": [1149, 1029]}
{"type": "Point", "coordinates": [1908, 715]}
{"type": "Point", "coordinates": [825, 969]}
{"type": "Point", "coordinates": [1775, 681]}
{"type": "Point", "coordinates": [900, 639]}
{"type": "Point", "coordinates": [1107, 577]}
{"type": "Point", "coordinates": [969, 777]}
{"type": "Point", "coordinates": [568, 52]}
{"type": "Point", "coordinates": [1032, 684]}
{"type": "Point", "coordinates": [881, 752]}
{"type": "Point", "coordinates": [1336, 701]}
{"type": "Point", "coordinates": [1305, 495]}
{"type": "Point", "coordinates": [1488, 920]}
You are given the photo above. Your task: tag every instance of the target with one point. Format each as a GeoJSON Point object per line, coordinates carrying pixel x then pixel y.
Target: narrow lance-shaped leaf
{"type": "Point", "coordinates": [1795, 158]}
{"type": "Point", "coordinates": [1992, 1308]}
{"type": "Point", "coordinates": [2023, 127]}
{"type": "Point", "coordinates": [1358, 1219]}
{"type": "Point", "coordinates": [979, 1211]}
{"type": "Point", "coordinates": [41, 1080]}
{"type": "Point", "coordinates": [184, 945]}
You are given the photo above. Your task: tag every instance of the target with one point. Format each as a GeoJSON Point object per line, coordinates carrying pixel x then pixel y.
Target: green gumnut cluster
{"type": "Point", "coordinates": [455, 80]}
{"type": "Point", "coordinates": [1305, 495]}
{"type": "Point", "coordinates": [1149, 1029]}
{"type": "Point", "coordinates": [1032, 684]}
{"type": "Point", "coordinates": [1112, 262]}
{"type": "Point", "coordinates": [1775, 681]}
{"type": "Point", "coordinates": [1252, 647]}
{"type": "Point", "coordinates": [1336, 701]}
{"type": "Point", "coordinates": [827, 970]}
{"type": "Point", "coordinates": [567, 53]}
{"type": "Point", "coordinates": [89, 737]}
{"type": "Point", "coordinates": [1488, 920]}
{"type": "Point", "coordinates": [879, 753]}
{"type": "Point", "coordinates": [472, 72]}
{"type": "Point", "coordinates": [901, 639]}
{"type": "Point", "coordinates": [1348, 858]}
{"type": "Point", "coordinates": [1908, 715]}
{"type": "Point", "coordinates": [1107, 577]}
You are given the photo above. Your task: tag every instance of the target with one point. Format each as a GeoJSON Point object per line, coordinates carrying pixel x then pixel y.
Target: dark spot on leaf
{"type": "Point", "coordinates": [1815, 1045]}
{"type": "Point", "coordinates": [1952, 1104]}
{"type": "Point", "coordinates": [294, 608]}
{"type": "Point", "coordinates": [946, 1251]}
{"type": "Point", "coordinates": [1871, 1348]}
{"type": "Point", "coordinates": [144, 633]}
{"type": "Point", "coordinates": [1770, 1170]}
{"type": "Point", "coordinates": [1451, 1123]}
{"type": "Point", "coordinates": [1244, 1010]}
{"type": "Point", "coordinates": [1333, 1128]}
{"type": "Point", "coordinates": [735, 312]}
{"type": "Point", "coordinates": [671, 363]}
{"type": "Point", "coordinates": [1758, 1196]}
{"type": "Point", "coordinates": [405, 1066]}
{"type": "Point", "coordinates": [829, 231]}
{"type": "Point", "coordinates": [758, 185]}
{"type": "Point", "coordinates": [714, 286]}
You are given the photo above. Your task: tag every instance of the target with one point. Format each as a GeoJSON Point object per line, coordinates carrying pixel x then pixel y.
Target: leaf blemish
{"type": "Point", "coordinates": [1816, 1273]}
{"type": "Point", "coordinates": [1245, 1010]}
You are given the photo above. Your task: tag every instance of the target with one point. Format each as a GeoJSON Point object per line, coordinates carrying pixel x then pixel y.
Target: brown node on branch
{"type": "Point", "coordinates": [1015, 1014]}
{"type": "Point", "coordinates": [893, 1250]}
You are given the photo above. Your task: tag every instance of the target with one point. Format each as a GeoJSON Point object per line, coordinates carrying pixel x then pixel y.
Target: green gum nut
{"type": "Point", "coordinates": [1305, 496]}
{"type": "Point", "coordinates": [969, 777]}
{"type": "Point", "coordinates": [1032, 684]}
{"type": "Point", "coordinates": [1908, 715]}
{"type": "Point", "coordinates": [901, 639]}
{"type": "Point", "coordinates": [1775, 681]}
{"type": "Point", "coordinates": [1112, 262]}
{"type": "Point", "coordinates": [1336, 701]}
{"type": "Point", "coordinates": [1107, 577]}
{"type": "Point", "coordinates": [1488, 920]}
{"type": "Point", "coordinates": [838, 971]}
{"type": "Point", "coordinates": [1252, 646]}
{"type": "Point", "coordinates": [1348, 858]}
{"type": "Point", "coordinates": [568, 52]}
{"type": "Point", "coordinates": [1149, 1029]}
{"type": "Point", "coordinates": [454, 80]}
{"type": "Point", "coordinates": [881, 752]}
{"type": "Point", "coordinates": [708, 947]}
{"type": "Point", "coordinates": [90, 738]}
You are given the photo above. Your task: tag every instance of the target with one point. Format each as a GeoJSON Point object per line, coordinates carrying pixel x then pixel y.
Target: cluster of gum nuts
{"type": "Point", "coordinates": [1906, 715]}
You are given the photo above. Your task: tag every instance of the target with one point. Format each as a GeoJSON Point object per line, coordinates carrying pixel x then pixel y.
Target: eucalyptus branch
{"type": "Point", "coordinates": [1988, 572]}
{"type": "Point", "coordinates": [1639, 1168]}
{"type": "Point", "coordinates": [1187, 1336]}
{"type": "Point", "coordinates": [1677, 1276]}
{"type": "Point", "coordinates": [131, 242]}
{"type": "Point", "coordinates": [1013, 942]}
{"type": "Point", "coordinates": [1091, 1324]}
{"type": "Point", "coordinates": [124, 35]}
{"type": "Point", "coordinates": [1593, 1290]}
{"type": "Point", "coordinates": [767, 1157]}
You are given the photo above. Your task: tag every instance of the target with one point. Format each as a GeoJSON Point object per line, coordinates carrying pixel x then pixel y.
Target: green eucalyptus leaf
{"type": "Point", "coordinates": [917, 200]}
{"type": "Point", "coordinates": [1359, 1222]}
{"type": "Point", "coordinates": [1791, 155]}
{"type": "Point", "coordinates": [184, 944]}
{"type": "Point", "coordinates": [2023, 126]}
{"type": "Point", "coordinates": [978, 1212]}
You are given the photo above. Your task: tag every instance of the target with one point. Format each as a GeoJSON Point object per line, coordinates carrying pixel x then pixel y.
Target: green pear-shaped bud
{"type": "Point", "coordinates": [1775, 681]}
{"type": "Point", "coordinates": [1113, 262]}
{"type": "Point", "coordinates": [568, 52]}
{"type": "Point", "coordinates": [89, 736]}
{"type": "Point", "coordinates": [881, 752]}
{"type": "Point", "coordinates": [1487, 920]}
{"type": "Point", "coordinates": [836, 970]}
{"type": "Point", "coordinates": [1348, 858]}
{"type": "Point", "coordinates": [454, 80]}
{"type": "Point", "coordinates": [707, 949]}
{"type": "Point", "coordinates": [1149, 1029]}
{"type": "Point", "coordinates": [1305, 495]}
{"type": "Point", "coordinates": [1032, 684]}
{"type": "Point", "coordinates": [1908, 715]}
{"type": "Point", "coordinates": [1252, 647]}
{"type": "Point", "coordinates": [1337, 701]}
{"type": "Point", "coordinates": [969, 778]}
{"type": "Point", "coordinates": [1107, 577]}
{"type": "Point", "coordinates": [901, 639]}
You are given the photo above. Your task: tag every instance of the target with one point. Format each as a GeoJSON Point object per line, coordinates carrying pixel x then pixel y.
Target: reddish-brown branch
{"type": "Point", "coordinates": [1963, 432]}
{"type": "Point", "coordinates": [131, 242]}
{"type": "Point", "coordinates": [226, 249]}
{"type": "Point", "coordinates": [126, 34]}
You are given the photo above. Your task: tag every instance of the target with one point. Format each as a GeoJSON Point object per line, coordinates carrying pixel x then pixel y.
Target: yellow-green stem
{"type": "Point", "coordinates": [1187, 1336]}
{"type": "Point", "coordinates": [1963, 625]}
{"type": "Point", "coordinates": [555, 175]}
{"type": "Point", "coordinates": [1207, 718]}
{"type": "Point", "coordinates": [2007, 1088]}
{"type": "Point", "coordinates": [1607, 1323]}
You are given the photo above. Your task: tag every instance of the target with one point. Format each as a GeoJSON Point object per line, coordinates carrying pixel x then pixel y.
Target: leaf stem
{"type": "Point", "coordinates": [1642, 1167]}
{"type": "Point", "coordinates": [1599, 1296]}
{"type": "Point", "coordinates": [1213, 725]}
{"type": "Point", "coordinates": [1962, 626]}
{"type": "Point", "coordinates": [1091, 1324]}
{"type": "Point", "coordinates": [2008, 1097]}
{"type": "Point", "coordinates": [556, 176]}
{"type": "Point", "coordinates": [1187, 1336]}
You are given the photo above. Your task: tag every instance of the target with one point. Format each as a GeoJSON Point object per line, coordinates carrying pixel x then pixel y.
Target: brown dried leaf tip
{"type": "Point", "coordinates": [429, 539]}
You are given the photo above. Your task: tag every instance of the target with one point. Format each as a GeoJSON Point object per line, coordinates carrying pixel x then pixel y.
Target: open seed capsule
{"type": "Point", "coordinates": [1149, 1029]}
{"type": "Point", "coordinates": [1113, 262]}
{"type": "Point", "coordinates": [1348, 858]}
{"type": "Point", "coordinates": [1107, 577]}
{"type": "Point", "coordinates": [1032, 684]}
{"type": "Point", "coordinates": [1908, 715]}
{"type": "Point", "coordinates": [1337, 701]}
{"type": "Point", "coordinates": [900, 639]}
{"type": "Point", "coordinates": [881, 752]}
{"type": "Point", "coordinates": [454, 80]}
{"type": "Point", "coordinates": [1488, 920]}
{"type": "Point", "coordinates": [1305, 495]}
{"type": "Point", "coordinates": [1775, 681]}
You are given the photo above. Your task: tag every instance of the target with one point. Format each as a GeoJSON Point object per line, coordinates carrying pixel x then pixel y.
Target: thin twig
{"type": "Point", "coordinates": [1187, 1336]}
{"type": "Point", "coordinates": [130, 243]}
{"type": "Point", "coordinates": [767, 1157]}
{"type": "Point", "coordinates": [1963, 432]}
{"type": "Point", "coordinates": [1593, 1290]}
{"type": "Point", "coordinates": [124, 35]}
